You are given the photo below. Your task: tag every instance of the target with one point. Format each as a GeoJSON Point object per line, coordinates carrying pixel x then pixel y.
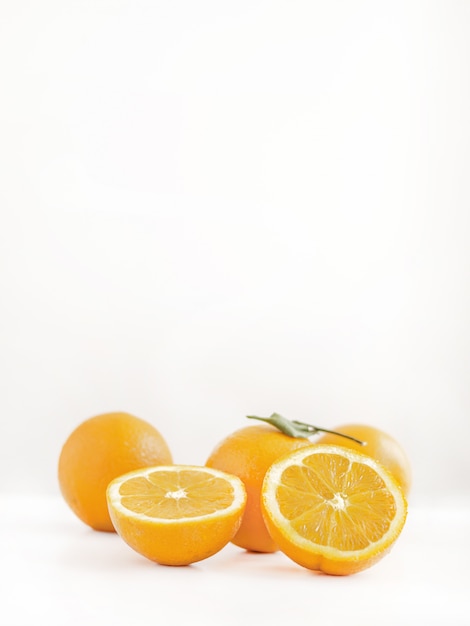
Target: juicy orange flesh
{"type": "Point", "coordinates": [174, 495]}
{"type": "Point", "coordinates": [332, 501]}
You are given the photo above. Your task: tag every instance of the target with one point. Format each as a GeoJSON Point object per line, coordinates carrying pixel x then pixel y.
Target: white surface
{"type": "Point", "coordinates": [55, 571]}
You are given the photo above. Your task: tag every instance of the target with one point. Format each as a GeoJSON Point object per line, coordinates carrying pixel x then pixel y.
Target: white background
{"type": "Point", "coordinates": [212, 209]}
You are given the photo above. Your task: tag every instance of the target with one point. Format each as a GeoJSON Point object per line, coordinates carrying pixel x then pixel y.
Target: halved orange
{"type": "Point", "coordinates": [332, 509]}
{"type": "Point", "coordinates": [176, 514]}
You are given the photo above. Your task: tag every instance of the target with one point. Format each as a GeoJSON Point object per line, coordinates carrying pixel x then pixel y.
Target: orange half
{"type": "Point", "coordinates": [332, 509]}
{"type": "Point", "coordinates": [176, 514]}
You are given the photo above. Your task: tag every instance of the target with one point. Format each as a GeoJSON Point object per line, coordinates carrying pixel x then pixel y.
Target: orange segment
{"type": "Point", "coordinates": [179, 514]}
{"type": "Point", "coordinates": [332, 509]}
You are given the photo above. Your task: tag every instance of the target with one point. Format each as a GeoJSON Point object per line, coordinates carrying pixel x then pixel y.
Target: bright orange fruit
{"type": "Point", "coordinates": [97, 451]}
{"type": "Point", "coordinates": [178, 514]}
{"type": "Point", "coordinates": [248, 453]}
{"type": "Point", "coordinates": [379, 445]}
{"type": "Point", "coordinates": [332, 509]}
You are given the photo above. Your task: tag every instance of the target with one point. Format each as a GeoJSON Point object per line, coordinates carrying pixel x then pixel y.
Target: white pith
{"type": "Point", "coordinates": [176, 495]}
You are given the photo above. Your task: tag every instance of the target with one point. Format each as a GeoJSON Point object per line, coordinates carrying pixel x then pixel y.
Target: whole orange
{"type": "Point", "coordinates": [248, 453]}
{"type": "Point", "coordinates": [379, 445]}
{"type": "Point", "coordinates": [97, 451]}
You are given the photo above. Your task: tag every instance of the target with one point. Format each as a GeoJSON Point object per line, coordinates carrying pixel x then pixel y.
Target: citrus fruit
{"type": "Point", "coordinates": [176, 514]}
{"type": "Point", "coordinates": [332, 509]}
{"type": "Point", "coordinates": [377, 444]}
{"type": "Point", "coordinates": [248, 453]}
{"type": "Point", "coordinates": [98, 450]}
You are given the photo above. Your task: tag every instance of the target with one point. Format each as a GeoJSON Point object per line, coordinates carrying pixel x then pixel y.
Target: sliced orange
{"type": "Point", "coordinates": [332, 509]}
{"type": "Point", "coordinates": [176, 514]}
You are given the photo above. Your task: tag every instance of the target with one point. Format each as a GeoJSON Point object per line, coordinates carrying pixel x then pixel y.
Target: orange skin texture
{"type": "Point", "coordinates": [97, 451]}
{"type": "Point", "coordinates": [248, 453]}
{"type": "Point", "coordinates": [379, 445]}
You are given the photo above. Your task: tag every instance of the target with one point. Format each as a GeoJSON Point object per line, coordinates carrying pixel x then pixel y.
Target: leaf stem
{"type": "Point", "coordinates": [294, 428]}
